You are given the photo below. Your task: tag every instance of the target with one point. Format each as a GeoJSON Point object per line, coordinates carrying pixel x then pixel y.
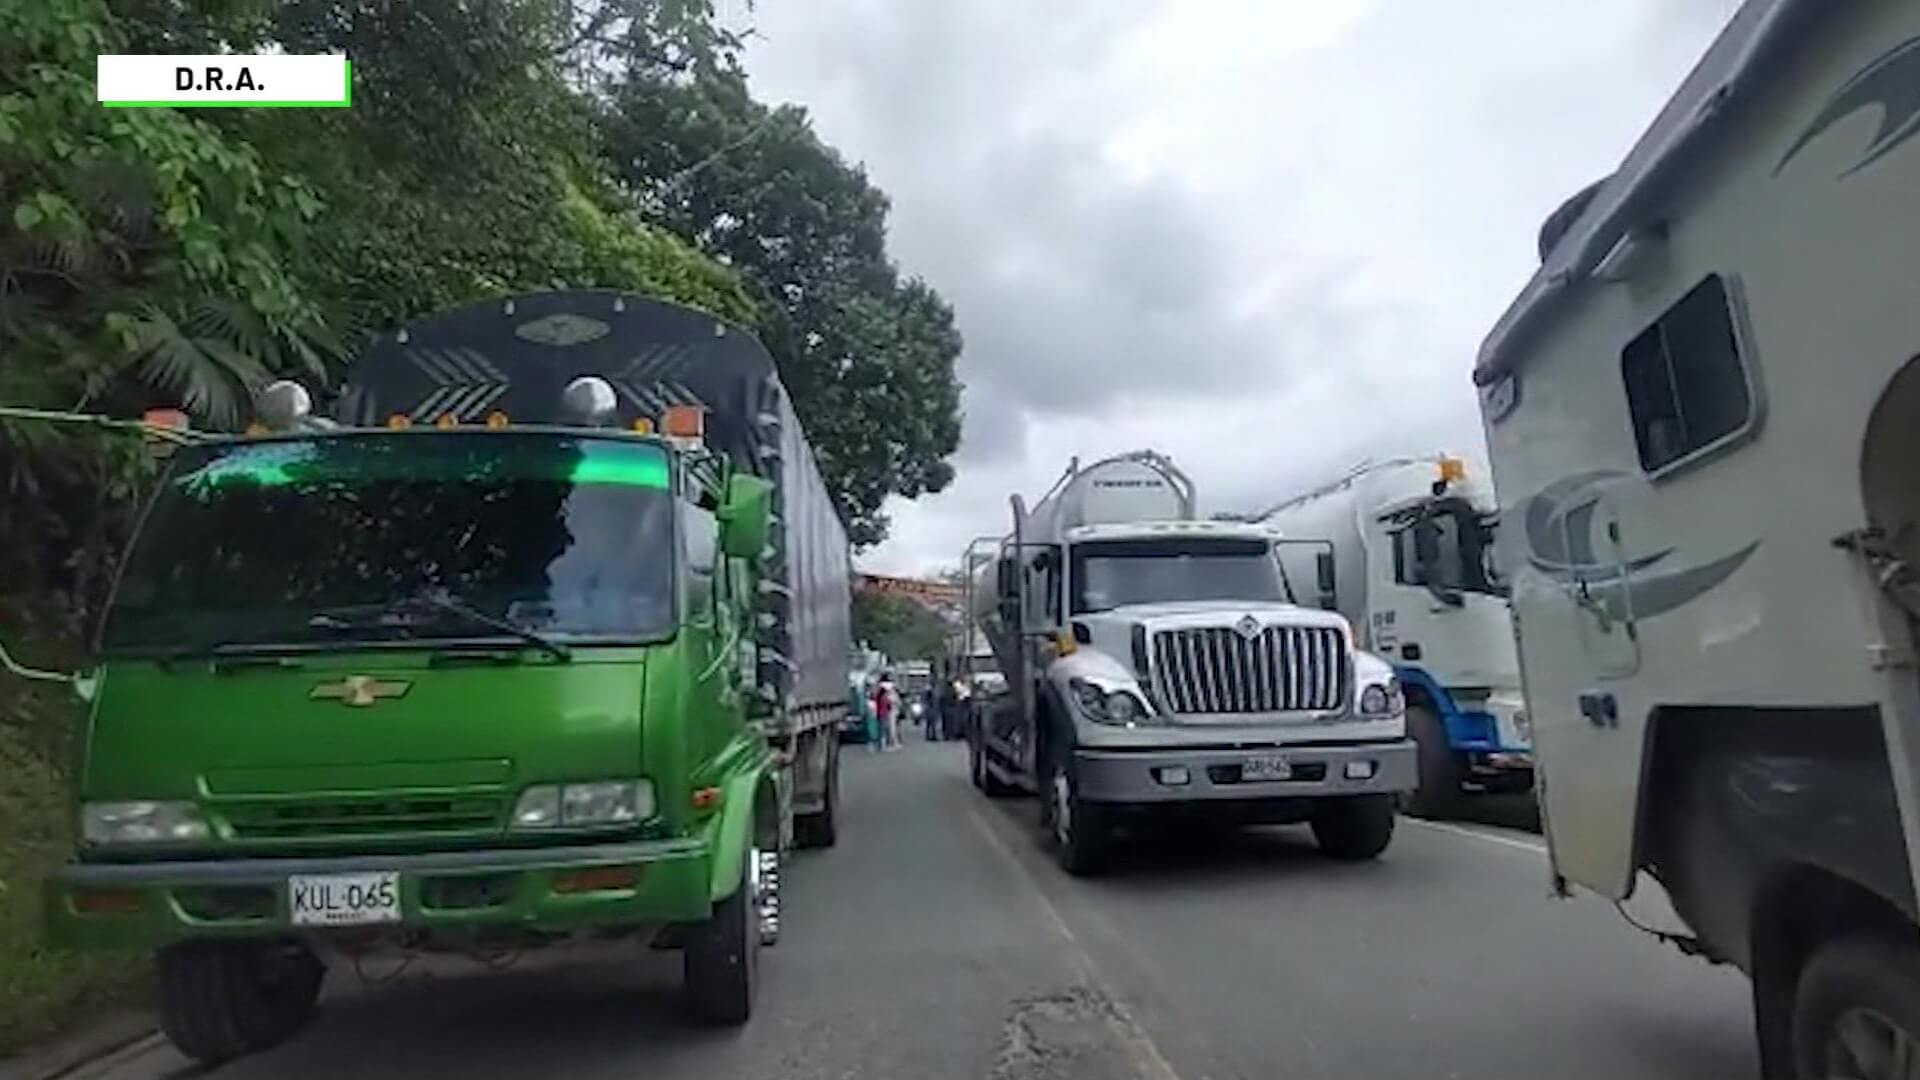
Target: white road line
{"type": "Point", "coordinates": [1153, 1065]}
{"type": "Point", "coordinates": [1479, 834]}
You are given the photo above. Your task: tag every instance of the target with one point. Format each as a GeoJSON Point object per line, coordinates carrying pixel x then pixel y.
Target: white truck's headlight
{"type": "Point", "coordinates": [1108, 705]}
{"type": "Point", "coordinates": [142, 822]}
{"type": "Point", "coordinates": [599, 802]}
{"type": "Point", "coordinates": [1381, 699]}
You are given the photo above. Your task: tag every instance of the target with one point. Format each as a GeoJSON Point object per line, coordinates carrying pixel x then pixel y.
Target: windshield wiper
{"type": "Point", "coordinates": [223, 656]}
{"type": "Point", "coordinates": [538, 640]}
{"type": "Point", "coordinates": [442, 601]}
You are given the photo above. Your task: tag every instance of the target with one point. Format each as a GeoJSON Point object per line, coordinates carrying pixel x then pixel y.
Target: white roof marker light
{"type": "Point", "coordinates": [590, 399]}
{"type": "Point", "coordinates": [285, 405]}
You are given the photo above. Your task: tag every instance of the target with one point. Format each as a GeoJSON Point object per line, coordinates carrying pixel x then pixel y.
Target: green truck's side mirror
{"type": "Point", "coordinates": [746, 516]}
{"type": "Point", "coordinates": [84, 684]}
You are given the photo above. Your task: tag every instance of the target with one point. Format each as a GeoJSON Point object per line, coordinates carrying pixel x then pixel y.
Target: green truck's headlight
{"type": "Point", "coordinates": [141, 822]}
{"type": "Point", "coordinates": [600, 802]}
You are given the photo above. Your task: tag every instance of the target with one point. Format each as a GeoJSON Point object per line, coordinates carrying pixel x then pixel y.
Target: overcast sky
{"type": "Point", "coordinates": [1263, 236]}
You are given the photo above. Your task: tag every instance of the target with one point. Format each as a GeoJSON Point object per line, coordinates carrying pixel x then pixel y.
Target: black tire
{"type": "Point", "coordinates": [1441, 770]}
{"type": "Point", "coordinates": [1080, 832]}
{"type": "Point", "coordinates": [820, 829]}
{"type": "Point", "coordinates": [983, 778]}
{"type": "Point", "coordinates": [220, 1000]}
{"type": "Point", "coordinates": [720, 961]}
{"type": "Point", "coordinates": [1853, 993]}
{"type": "Point", "coordinates": [1354, 828]}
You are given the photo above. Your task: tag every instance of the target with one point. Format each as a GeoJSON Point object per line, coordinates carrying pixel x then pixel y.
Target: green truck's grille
{"type": "Point", "coordinates": [308, 818]}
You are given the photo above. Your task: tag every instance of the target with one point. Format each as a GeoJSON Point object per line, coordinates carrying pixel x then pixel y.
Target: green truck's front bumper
{"type": "Point", "coordinates": [141, 905]}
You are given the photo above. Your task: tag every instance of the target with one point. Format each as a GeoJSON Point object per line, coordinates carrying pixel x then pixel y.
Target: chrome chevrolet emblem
{"type": "Point", "coordinates": [358, 691]}
{"type": "Point", "coordinates": [1248, 627]}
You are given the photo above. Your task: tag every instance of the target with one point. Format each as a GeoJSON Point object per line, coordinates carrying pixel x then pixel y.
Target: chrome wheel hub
{"type": "Point", "coordinates": [1062, 809]}
{"type": "Point", "coordinates": [764, 878]}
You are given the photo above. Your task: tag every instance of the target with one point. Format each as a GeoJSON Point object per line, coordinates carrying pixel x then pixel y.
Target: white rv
{"type": "Point", "coordinates": [1412, 546]}
{"type": "Point", "coordinates": [1704, 420]}
{"type": "Point", "coordinates": [1161, 664]}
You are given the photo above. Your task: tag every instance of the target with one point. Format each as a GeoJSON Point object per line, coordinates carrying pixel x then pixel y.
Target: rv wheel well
{"type": "Point", "coordinates": [1806, 905]}
{"type": "Point", "coordinates": [1743, 811]}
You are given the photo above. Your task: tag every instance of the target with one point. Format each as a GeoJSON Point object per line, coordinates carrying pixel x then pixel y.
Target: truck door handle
{"type": "Point", "coordinates": [1601, 709]}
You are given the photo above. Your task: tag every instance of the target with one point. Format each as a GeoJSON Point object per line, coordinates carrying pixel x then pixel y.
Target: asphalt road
{"type": "Point", "coordinates": [937, 941]}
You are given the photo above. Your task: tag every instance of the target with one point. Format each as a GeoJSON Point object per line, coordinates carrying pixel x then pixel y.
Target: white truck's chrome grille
{"type": "Point", "coordinates": [1219, 670]}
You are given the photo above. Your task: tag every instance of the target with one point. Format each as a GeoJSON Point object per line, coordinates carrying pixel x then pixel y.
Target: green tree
{"type": "Point", "coordinates": [898, 626]}
{"type": "Point", "coordinates": [138, 247]}
{"type": "Point", "coordinates": [868, 357]}
{"type": "Point", "coordinates": [153, 257]}
{"type": "Point", "coordinates": [490, 177]}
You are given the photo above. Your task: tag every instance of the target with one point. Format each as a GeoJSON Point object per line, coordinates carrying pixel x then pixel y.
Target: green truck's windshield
{"type": "Point", "coordinates": [267, 543]}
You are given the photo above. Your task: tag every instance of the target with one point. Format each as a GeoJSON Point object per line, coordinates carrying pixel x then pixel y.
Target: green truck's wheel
{"type": "Point", "coordinates": [819, 829]}
{"type": "Point", "coordinates": [721, 957]}
{"type": "Point", "coordinates": [222, 999]}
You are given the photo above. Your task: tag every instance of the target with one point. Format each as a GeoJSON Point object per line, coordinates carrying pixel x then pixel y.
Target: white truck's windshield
{"type": "Point", "coordinates": [1112, 573]}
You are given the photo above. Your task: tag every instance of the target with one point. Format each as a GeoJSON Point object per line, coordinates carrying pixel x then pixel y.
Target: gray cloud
{"type": "Point", "coordinates": [1264, 235]}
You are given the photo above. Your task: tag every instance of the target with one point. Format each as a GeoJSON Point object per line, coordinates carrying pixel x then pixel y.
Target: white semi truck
{"type": "Point", "coordinates": [1412, 544]}
{"type": "Point", "coordinates": [1160, 664]}
{"type": "Point", "coordinates": [1704, 421]}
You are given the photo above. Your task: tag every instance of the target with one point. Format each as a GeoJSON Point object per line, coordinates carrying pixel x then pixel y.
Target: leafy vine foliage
{"type": "Point", "coordinates": [181, 257]}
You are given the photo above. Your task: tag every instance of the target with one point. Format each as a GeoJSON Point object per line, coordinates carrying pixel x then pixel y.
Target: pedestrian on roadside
{"type": "Point", "coordinates": [886, 705]}
{"type": "Point", "coordinates": [945, 708]}
{"type": "Point", "coordinates": [962, 722]}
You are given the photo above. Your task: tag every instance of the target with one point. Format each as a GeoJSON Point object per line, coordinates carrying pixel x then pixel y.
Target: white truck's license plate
{"type": "Point", "coordinates": [1266, 768]}
{"type": "Point", "coordinates": [344, 899]}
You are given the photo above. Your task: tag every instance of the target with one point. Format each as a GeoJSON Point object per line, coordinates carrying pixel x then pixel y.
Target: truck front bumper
{"type": "Point", "coordinates": [1156, 776]}
{"type": "Point", "coordinates": [551, 890]}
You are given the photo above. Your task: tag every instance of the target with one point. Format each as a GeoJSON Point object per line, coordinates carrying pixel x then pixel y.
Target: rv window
{"type": "Point", "coordinates": [1686, 386]}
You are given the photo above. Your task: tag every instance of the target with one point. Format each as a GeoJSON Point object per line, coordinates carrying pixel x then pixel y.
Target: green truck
{"type": "Point", "coordinates": [540, 635]}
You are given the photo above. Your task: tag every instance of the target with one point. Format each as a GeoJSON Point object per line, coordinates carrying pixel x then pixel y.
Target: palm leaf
{"type": "Point", "coordinates": [307, 350]}
{"type": "Point", "coordinates": [209, 376]}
